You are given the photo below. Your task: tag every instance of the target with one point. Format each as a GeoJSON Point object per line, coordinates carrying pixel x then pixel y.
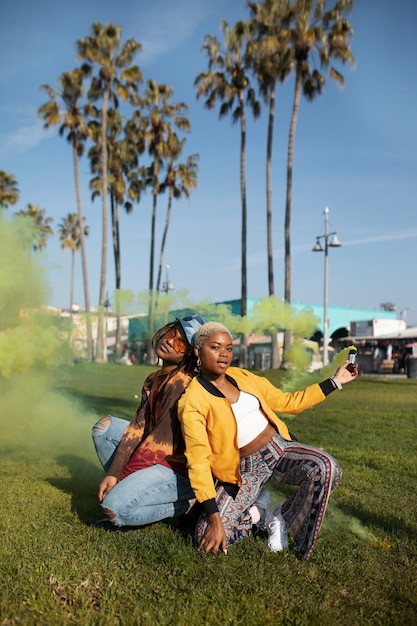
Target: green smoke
{"type": "Point", "coordinates": [32, 344]}
{"type": "Point", "coordinates": [269, 316]}
{"type": "Point", "coordinates": [29, 336]}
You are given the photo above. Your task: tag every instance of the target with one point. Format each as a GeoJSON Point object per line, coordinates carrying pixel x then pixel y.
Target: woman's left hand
{"type": "Point", "coordinates": [215, 536]}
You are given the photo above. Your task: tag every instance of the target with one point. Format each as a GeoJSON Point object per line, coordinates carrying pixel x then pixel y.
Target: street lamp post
{"type": "Point", "coordinates": [167, 286]}
{"type": "Point", "coordinates": [334, 243]}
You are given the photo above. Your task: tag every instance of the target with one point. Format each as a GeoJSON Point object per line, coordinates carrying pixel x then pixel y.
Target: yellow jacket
{"type": "Point", "coordinates": [210, 430]}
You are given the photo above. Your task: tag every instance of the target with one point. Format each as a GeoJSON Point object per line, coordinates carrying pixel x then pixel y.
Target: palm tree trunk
{"type": "Point", "coordinates": [163, 241]}
{"type": "Point", "coordinates": [152, 250]}
{"type": "Point", "coordinates": [151, 305]}
{"type": "Point", "coordinates": [290, 158]}
{"type": "Point", "coordinates": [243, 355]}
{"type": "Point", "coordinates": [274, 336]}
{"type": "Point", "coordinates": [83, 258]}
{"type": "Point", "coordinates": [162, 250]}
{"type": "Point", "coordinates": [269, 191]}
{"type": "Point", "coordinates": [72, 281]}
{"type": "Point", "coordinates": [114, 207]}
{"type": "Point", "coordinates": [101, 352]}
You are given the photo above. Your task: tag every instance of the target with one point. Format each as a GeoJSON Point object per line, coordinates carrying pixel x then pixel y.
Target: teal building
{"type": "Point", "coordinates": [339, 317]}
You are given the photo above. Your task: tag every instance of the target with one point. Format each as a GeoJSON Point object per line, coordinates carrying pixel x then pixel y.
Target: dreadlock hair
{"type": "Point", "coordinates": [189, 363]}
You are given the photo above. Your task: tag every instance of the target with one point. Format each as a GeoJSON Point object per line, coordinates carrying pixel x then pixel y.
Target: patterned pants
{"type": "Point", "coordinates": [316, 474]}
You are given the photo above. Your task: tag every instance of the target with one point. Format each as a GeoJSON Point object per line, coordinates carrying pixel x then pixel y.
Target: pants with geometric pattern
{"type": "Point", "coordinates": [316, 474]}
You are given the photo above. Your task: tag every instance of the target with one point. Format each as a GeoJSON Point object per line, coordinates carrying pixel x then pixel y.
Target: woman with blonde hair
{"type": "Point", "coordinates": [235, 443]}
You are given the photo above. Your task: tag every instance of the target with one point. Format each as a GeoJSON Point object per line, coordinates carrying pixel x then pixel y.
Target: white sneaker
{"type": "Point", "coordinates": [277, 530]}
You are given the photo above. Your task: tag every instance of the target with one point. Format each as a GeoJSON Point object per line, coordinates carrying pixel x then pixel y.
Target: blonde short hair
{"type": "Point", "coordinates": [207, 330]}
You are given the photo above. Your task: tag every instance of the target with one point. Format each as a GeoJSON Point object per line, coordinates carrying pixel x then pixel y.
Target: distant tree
{"type": "Point", "coordinates": [115, 78]}
{"type": "Point", "coordinates": [9, 191]}
{"type": "Point", "coordinates": [317, 36]}
{"type": "Point", "coordinates": [64, 109]}
{"type": "Point", "coordinates": [227, 81]}
{"type": "Point", "coordinates": [42, 229]}
{"type": "Point", "coordinates": [70, 237]}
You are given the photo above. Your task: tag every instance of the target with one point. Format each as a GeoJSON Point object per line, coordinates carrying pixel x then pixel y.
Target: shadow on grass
{"type": "Point", "coordinates": [82, 485]}
{"type": "Point", "coordinates": [388, 523]}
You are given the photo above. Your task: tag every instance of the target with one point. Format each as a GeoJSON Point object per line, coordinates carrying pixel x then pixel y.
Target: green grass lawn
{"type": "Point", "coordinates": [58, 567]}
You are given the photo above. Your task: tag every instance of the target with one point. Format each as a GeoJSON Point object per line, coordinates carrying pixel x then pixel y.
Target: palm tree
{"type": "Point", "coordinates": [270, 60]}
{"type": "Point", "coordinates": [227, 81]}
{"type": "Point", "coordinates": [70, 237]}
{"type": "Point", "coordinates": [70, 119]}
{"type": "Point", "coordinates": [180, 179]}
{"type": "Point", "coordinates": [122, 162]}
{"type": "Point", "coordinates": [316, 37]}
{"type": "Point", "coordinates": [269, 56]}
{"type": "Point", "coordinates": [116, 78]}
{"type": "Point", "coordinates": [41, 225]}
{"type": "Point", "coordinates": [9, 191]}
{"type": "Point", "coordinates": [153, 129]}
{"type": "Point", "coordinates": [116, 185]}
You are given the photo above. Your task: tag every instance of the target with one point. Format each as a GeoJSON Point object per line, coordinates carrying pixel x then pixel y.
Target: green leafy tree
{"type": "Point", "coordinates": [317, 37]}
{"type": "Point", "coordinates": [227, 81]}
{"type": "Point", "coordinates": [65, 109]}
{"type": "Point", "coordinates": [109, 62]}
{"type": "Point", "coordinates": [9, 190]}
{"type": "Point", "coordinates": [41, 225]}
{"type": "Point", "coordinates": [70, 238]}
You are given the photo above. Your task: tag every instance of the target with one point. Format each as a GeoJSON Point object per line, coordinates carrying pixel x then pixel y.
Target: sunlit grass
{"type": "Point", "coordinates": [58, 567]}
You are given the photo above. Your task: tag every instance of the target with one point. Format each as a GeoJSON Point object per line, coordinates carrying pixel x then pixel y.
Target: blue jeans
{"type": "Point", "coordinates": [145, 496]}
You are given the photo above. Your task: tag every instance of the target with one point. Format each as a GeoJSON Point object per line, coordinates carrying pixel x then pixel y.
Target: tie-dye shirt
{"type": "Point", "coordinates": [154, 435]}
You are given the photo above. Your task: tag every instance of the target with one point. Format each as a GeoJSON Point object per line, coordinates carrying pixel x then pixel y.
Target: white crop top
{"type": "Point", "coordinates": [249, 418]}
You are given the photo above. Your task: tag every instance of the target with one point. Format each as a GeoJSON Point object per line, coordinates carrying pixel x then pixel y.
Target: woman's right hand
{"type": "Point", "coordinates": [215, 536]}
{"type": "Point", "coordinates": [106, 486]}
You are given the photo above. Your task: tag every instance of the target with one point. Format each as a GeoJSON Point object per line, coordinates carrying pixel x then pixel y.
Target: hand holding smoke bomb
{"type": "Point", "coordinates": [347, 372]}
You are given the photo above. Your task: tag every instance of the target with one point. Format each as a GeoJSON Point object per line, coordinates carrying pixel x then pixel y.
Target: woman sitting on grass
{"type": "Point", "coordinates": [235, 443]}
{"type": "Point", "coordinates": [146, 479]}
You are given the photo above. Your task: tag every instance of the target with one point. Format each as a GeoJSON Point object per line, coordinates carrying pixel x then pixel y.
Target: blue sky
{"type": "Point", "coordinates": [355, 152]}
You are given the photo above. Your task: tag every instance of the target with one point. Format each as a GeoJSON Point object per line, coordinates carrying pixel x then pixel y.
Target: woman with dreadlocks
{"type": "Point", "coordinates": [146, 477]}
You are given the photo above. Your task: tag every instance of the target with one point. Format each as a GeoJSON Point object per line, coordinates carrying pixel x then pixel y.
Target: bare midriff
{"type": "Point", "coordinates": [259, 442]}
